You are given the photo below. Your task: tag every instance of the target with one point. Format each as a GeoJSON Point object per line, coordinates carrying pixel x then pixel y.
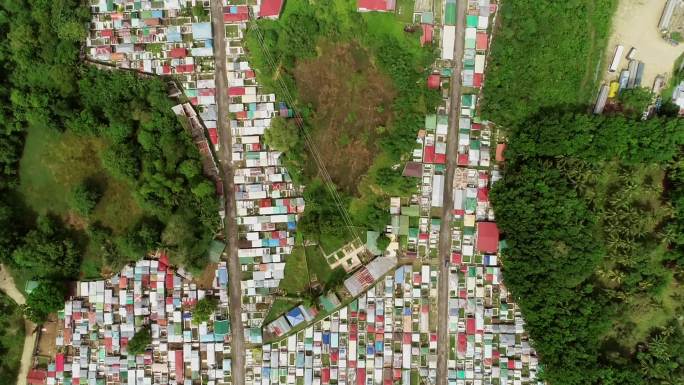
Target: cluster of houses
{"type": "Point", "coordinates": [102, 317]}
{"type": "Point", "coordinates": [488, 343]}
{"type": "Point", "coordinates": [473, 136]}
{"type": "Point", "coordinates": [385, 331]}
{"type": "Point", "coordinates": [268, 203]}
{"type": "Point", "coordinates": [385, 336]}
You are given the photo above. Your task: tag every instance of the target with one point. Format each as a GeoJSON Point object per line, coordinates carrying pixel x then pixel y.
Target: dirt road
{"type": "Point", "coordinates": [635, 24]}
{"type": "Point", "coordinates": [445, 228]}
{"type": "Point", "coordinates": [8, 287]}
{"type": "Point", "coordinates": [230, 222]}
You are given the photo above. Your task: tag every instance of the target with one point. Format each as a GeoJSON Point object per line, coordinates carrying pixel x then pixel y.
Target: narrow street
{"type": "Point", "coordinates": [230, 223]}
{"type": "Point", "coordinates": [445, 228]}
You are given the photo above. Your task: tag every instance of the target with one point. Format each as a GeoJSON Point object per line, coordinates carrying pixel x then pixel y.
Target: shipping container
{"type": "Point", "coordinates": [617, 56]}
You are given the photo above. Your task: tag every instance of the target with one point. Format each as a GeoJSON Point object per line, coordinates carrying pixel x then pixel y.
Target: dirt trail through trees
{"type": "Point", "coordinates": [8, 287]}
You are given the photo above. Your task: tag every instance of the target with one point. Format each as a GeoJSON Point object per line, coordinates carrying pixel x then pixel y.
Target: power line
{"type": "Point", "coordinates": [322, 170]}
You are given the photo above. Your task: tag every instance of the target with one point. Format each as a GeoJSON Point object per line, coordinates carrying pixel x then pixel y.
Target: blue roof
{"type": "Point", "coordinates": [173, 35]}
{"type": "Point", "coordinates": [326, 338]}
{"type": "Point", "coordinates": [223, 277]}
{"type": "Point", "coordinates": [201, 31]}
{"type": "Point", "coordinates": [295, 317]}
{"type": "Point", "coordinates": [399, 275]}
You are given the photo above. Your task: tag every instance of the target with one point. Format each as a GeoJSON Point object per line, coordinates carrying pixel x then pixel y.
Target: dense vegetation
{"type": "Point", "coordinates": [11, 339]}
{"type": "Point", "coordinates": [591, 207]}
{"type": "Point", "coordinates": [303, 35]}
{"type": "Point", "coordinates": [203, 310]}
{"type": "Point", "coordinates": [140, 341]}
{"type": "Point", "coordinates": [545, 54]}
{"type": "Point", "coordinates": [61, 205]}
{"type": "Point", "coordinates": [589, 232]}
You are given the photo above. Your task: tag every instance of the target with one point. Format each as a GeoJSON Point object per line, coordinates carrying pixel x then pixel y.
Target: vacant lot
{"type": "Point", "coordinates": [352, 103]}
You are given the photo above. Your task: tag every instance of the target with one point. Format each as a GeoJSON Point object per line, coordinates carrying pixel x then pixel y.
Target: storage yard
{"type": "Point", "coordinates": [381, 326]}
{"type": "Point", "coordinates": [635, 24]}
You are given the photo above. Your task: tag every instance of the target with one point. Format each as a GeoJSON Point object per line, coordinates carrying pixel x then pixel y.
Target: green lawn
{"type": "Point", "coordinates": [405, 11]}
{"type": "Point", "coordinates": [296, 272]}
{"type": "Point", "coordinates": [11, 339]}
{"type": "Point", "coordinates": [318, 266]}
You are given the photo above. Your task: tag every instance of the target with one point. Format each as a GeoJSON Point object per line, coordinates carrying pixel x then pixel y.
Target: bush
{"type": "Point", "coordinates": [83, 199]}
{"type": "Point", "coordinates": [47, 298]}
{"type": "Point", "coordinates": [140, 341]}
{"type": "Point", "coordinates": [203, 310]}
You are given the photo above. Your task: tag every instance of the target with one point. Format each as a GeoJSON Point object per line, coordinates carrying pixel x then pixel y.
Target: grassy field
{"type": "Point", "coordinates": [346, 133]}
{"type": "Point", "coordinates": [11, 339]}
{"type": "Point", "coordinates": [296, 272]}
{"type": "Point", "coordinates": [53, 163]}
{"type": "Point", "coordinates": [318, 266]}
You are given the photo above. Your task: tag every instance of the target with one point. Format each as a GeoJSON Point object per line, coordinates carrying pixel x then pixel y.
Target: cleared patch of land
{"type": "Point", "coordinates": [352, 103]}
{"type": "Point", "coordinates": [635, 24]}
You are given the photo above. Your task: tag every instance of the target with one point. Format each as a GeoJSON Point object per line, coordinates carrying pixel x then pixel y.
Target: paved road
{"type": "Point", "coordinates": [230, 223]}
{"type": "Point", "coordinates": [445, 228]}
{"type": "Point", "coordinates": [8, 287]}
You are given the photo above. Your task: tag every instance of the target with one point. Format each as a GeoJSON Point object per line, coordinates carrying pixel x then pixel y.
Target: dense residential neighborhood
{"type": "Point", "coordinates": [381, 325]}
{"type": "Point", "coordinates": [355, 192]}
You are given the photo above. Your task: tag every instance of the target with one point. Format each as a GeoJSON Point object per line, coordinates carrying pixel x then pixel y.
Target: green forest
{"type": "Point", "coordinates": [95, 169]}
{"type": "Point", "coordinates": [358, 82]}
{"type": "Point", "coordinates": [591, 207]}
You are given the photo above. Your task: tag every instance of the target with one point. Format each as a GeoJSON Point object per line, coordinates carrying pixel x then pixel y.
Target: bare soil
{"type": "Point", "coordinates": [635, 24]}
{"type": "Point", "coordinates": [352, 104]}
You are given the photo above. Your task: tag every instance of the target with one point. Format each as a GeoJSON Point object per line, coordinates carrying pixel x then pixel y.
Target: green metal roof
{"type": "Point", "coordinates": [431, 122]}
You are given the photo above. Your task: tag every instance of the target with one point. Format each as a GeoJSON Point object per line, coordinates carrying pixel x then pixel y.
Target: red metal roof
{"type": "Point", "coordinates": [178, 53]}
{"type": "Point", "coordinates": [429, 155]}
{"type": "Point", "coordinates": [462, 159]}
{"type": "Point", "coordinates": [180, 367]}
{"type": "Point", "coordinates": [462, 342]}
{"type": "Point", "coordinates": [236, 91]}
{"type": "Point", "coordinates": [481, 41]}
{"type": "Point", "coordinates": [270, 8]}
{"type": "Point", "coordinates": [213, 135]}
{"type": "Point", "coordinates": [440, 158]}
{"type": "Point", "coordinates": [375, 5]}
{"type": "Point", "coordinates": [325, 375]}
{"type": "Point", "coordinates": [433, 82]}
{"type": "Point", "coordinates": [483, 195]}
{"type": "Point", "coordinates": [477, 80]}
{"type": "Point", "coordinates": [36, 377]}
{"type": "Point", "coordinates": [241, 14]}
{"type": "Point", "coordinates": [59, 362]}
{"type": "Point", "coordinates": [426, 37]}
{"type": "Point", "coordinates": [487, 237]}
{"type": "Point", "coordinates": [361, 376]}
{"type": "Point", "coordinates": [500, 148]}
{"type": "Point", "coordinates": [456, 258]}
{"type": "Point", "coordinates": [470, 326]}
